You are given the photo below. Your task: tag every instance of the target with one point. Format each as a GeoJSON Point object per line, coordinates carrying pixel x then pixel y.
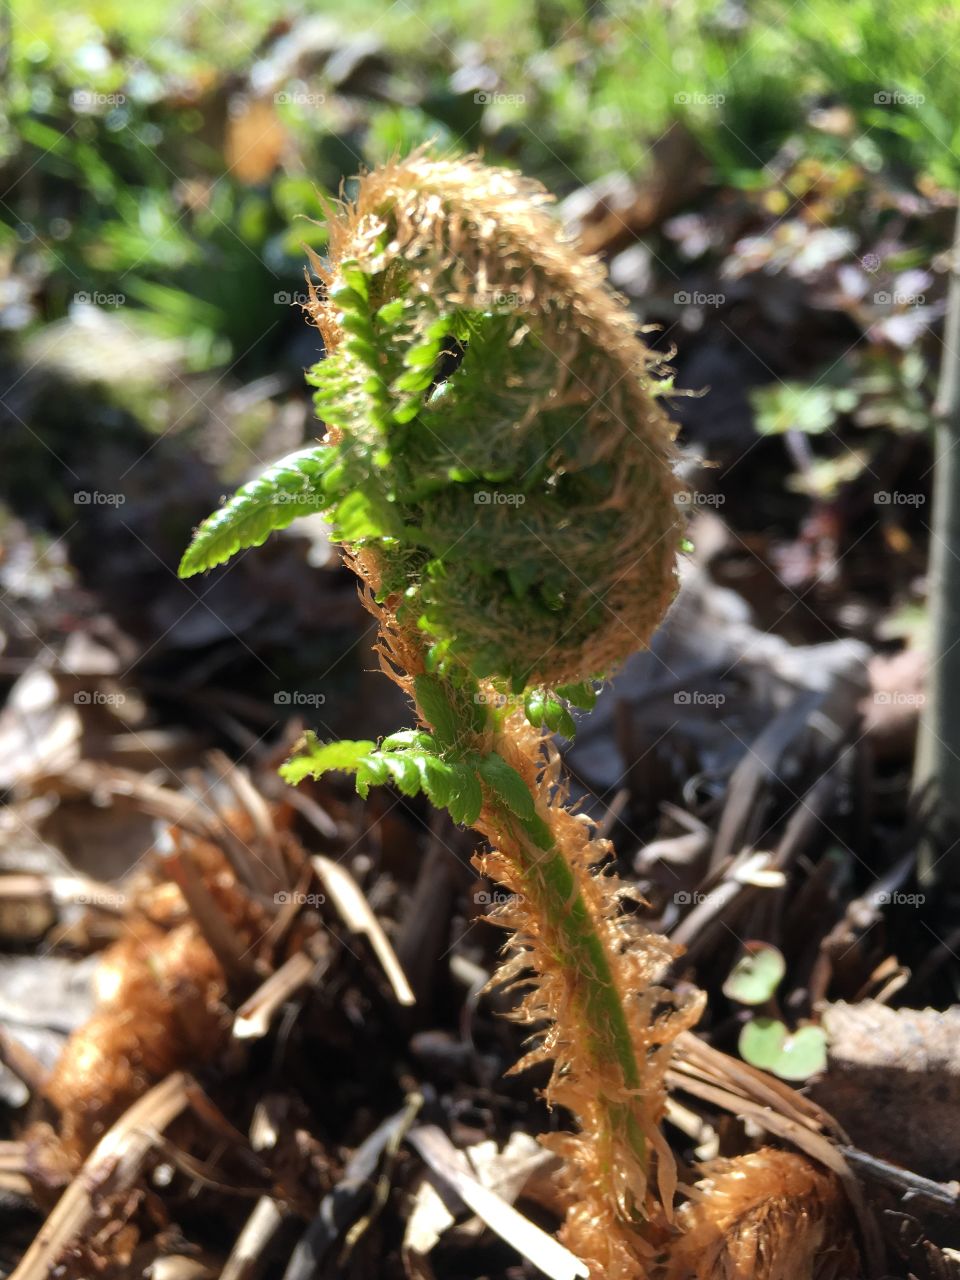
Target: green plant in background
{"type": "Point", "coordinates": [764, 1040]}
{"type": "Point", "coordinates": [133, 186]}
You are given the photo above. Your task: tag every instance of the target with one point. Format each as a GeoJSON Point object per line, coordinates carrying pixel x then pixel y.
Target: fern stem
{"type": "Point", "coordinates": [557, 901]}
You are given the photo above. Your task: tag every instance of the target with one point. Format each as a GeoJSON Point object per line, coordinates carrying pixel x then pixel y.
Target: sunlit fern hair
{"type": "Point", "coordinates": [521, 509]}
{"type": "Point", "coordinates": [526, 502]}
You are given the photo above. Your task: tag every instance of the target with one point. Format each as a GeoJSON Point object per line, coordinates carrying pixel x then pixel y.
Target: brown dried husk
{"type": "Point", "coordinates": [163, 1009]}
{"type": "Point", "coordinates": [770, 1215]}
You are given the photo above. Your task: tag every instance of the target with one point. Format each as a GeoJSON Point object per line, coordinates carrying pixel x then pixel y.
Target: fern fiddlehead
{"type": "Point", "coordinates": [498, 471]}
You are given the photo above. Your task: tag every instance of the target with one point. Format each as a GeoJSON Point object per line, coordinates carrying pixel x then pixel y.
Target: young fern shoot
{"type": "Point", "coordinates": [498, 470]}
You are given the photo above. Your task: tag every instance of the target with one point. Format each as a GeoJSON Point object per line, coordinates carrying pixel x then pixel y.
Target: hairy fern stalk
{"type": "Point", "coordinates": [498, 471]}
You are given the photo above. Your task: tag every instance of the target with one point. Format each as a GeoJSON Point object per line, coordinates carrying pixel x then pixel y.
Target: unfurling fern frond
{"type": "Point", "coordinates": [290, 488]}
{"type": "Point", "coordinates": [499, 471]}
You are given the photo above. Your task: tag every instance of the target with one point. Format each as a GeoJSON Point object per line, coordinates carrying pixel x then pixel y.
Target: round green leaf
{"type": "Point", "coordinates": [761, 1042]}
{"type": "Point", "coordinates": [804, 1054]}
{"type": "Point", "coordinates": [766, 1043]}
{"type": "Point", "coordinates": [756, 975]}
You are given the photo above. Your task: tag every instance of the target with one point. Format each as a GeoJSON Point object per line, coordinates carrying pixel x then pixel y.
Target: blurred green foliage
{"type": "Point", "coordinates": [126, 167]}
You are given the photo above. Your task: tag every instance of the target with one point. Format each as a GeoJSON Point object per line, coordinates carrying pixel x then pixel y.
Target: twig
{"type": "Point", "coordinates": [258, 1231]}
{"type": "Point", "coordinates": [220, 936]}
{"type": "Point", "coordinates": [937, 773]}
{"type": "Point", "coordinates": [351, 1197]}
{"type": "Point", "coordinates": [451, 1166]}
{"type": "Point", "coordinates": [14, 1160]}
{"type": "Point", "coordinates": [18, 1059]}
{"type": "Point", "coordinates": [943, 1197]}
{"type": "Point", "coordinates": [253, 1018]}
{"type": "Point", "coordinates": [355, 910]}
{"type": "Point", "coordinates": [734, 1086]}
{"type": "Point", "coordinates": [114, 1165]}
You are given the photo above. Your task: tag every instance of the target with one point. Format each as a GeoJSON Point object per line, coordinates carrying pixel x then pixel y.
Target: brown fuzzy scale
{"type": "Point", "coordinates": [472, 232]}
{"type": "Point", "coordinates": [165, 1010]}
{"type": "Point", "coordinates": [601, 1171]}
{"type": "Point", "coordinates": [771, 1215]}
